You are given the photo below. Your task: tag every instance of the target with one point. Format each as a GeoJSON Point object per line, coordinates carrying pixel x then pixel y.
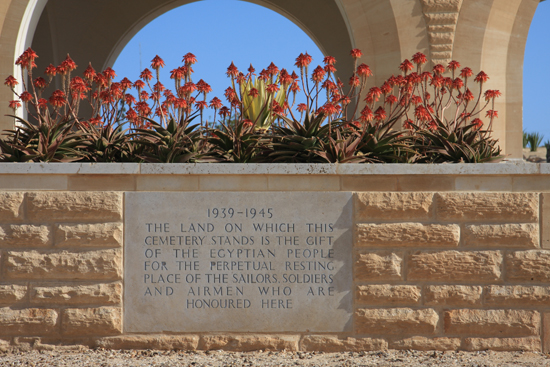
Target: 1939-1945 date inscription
{"type": "Point", "coordinates": [236, 262]}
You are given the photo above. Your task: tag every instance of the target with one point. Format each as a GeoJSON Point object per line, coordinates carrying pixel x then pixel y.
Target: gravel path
{"type": "Point", "coordinates": [107, 358]}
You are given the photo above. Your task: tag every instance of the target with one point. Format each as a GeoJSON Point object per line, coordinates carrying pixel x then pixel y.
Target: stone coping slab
{"type": "Point", "coordinates": [507, 168]}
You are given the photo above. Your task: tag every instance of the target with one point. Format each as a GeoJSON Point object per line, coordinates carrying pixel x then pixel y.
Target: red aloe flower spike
{"type": "Point", "coordinates": [157, 63]}
{"type": "Point", "coordinates": [189, 59]}
{"type": "Point", "coordinates": [301, 107]}
{"type": "Point", "coordinates": [363, 70]}
{"type": "Point", "coordinates": [216, 103]}
{"type": "Point", "coordinates": [303, 61]}
{"type": "Point", "coordinates": [481, 77]}
{"type": "Point", "coordinates": [146, 75]}
{"type": "Point", "coordinates": [419, 58]}
{"type": "Point", "coordinates": [356, 53]}
{"type": "Point", "coordinates": [406, 66]}
{"type": "Point", "coordinates": [40, 83]}
{"type": "Point", "coordinates": [89, 73]}
{"type": "Point", "coordinates": [232, 70]}
{"type": "Point", "coordinates": [11, 81]}
{"type": "Point", "coordinates": [438, 69]}
{"type": "Point", "coordinates": [14, 105]}
{"type": "Point", "coordinates": [329, 60]}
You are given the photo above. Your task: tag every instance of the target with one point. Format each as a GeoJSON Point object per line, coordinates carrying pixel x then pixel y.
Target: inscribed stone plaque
{"type": "Point", "coordinates": [236, 261]}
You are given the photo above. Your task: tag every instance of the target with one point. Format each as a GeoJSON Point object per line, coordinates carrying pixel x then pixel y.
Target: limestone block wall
{"type": "Point", "coordinates": [60, 267]}
{"type": "Point", "coordinates": [451, 270]}
{"type": "Point", "coordinates": [444, 269]}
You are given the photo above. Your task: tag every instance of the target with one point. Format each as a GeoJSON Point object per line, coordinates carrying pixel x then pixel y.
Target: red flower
{"type": "Point", "coordinates": [129, 99]}
{"type": "Point", "coordinates": [14, 104]}
{"type": "Point", "coordinates": [143, 108]}
{"type": "Point", "coordinates": [364, 70]}
{"type": "Point", "coordinates": [68, 63]}
{"type": "Point", "coordinates": [477, 123]}
{"type": "Point", "coordinates": [453, 65]}
{"type": "Point", "coordinates": [146, 74]}
{"type": "Point", "coordinates": [481, 77]}
{"type": "Point", "coordinates": [232, 70]}
{"type": "Point", "coordinates": [131, 115]}
{"type": "Point", "coordinates": [78, 85]}
{"type": "Point", "coordinates": [138, 84]}
{"type": "Point", "coordinates": [157, 63]}
{"type": "Point", "coordinates": [466, 72]}
{"type": "Point", "coordinates": [27, 59]}
{"type": "Point", "coordinates": [422, 114]}
{"type": "Point", "coordinates": [380, 114]}
{"type": "Point", "coordinates": [416, 100]}
{"type": "Point", "coordinates": [330, 69]}
{"type": "Point", "coordinates": [439, 69]}
{"type": "Point", "coordinates": [203, 87]}
{"type": "Point", "coordinates": [329, 109]}
{"type": "Point", "coordinates": [285, 78]}
{"type": "Point", "coordinates": [391, 99]}
{"type": "Point", "coordinates": [143, 96]}
{"type": "Point", "coordinates": [40, 83]}
{"type": "Point", "coordinates": [50, 70]}
{"type": "Point", "coordinates": [468, 95]}
{"type": "Point", "coordinates": [248, 123]}
{"type": "Point", "coordinates": [57, 98]}
{"type": "Point", "coordinates": [188, 88]}
{"type": "Point", "coordinates": [426, 76]}
{"type": "Point", "coordinates": [356, 53]}
{"type": "Point", "coordinates": [373, 95]}
{"type": "Point", "coordinates": [126, 84]}
{"type": "Point", "coordinates": [432, 125]}
{"type": "Point", "coordinates": [230, 94]}
{"type": "Point", "coordinates": [303, 60]}
{"type": "Point", "coordinates": [189, 59]}
{"type": "Point", "coordinates": [318, 74]}
{"type": "Point", "coordinates": [177, 74]}
{"type": "Point", "coordinates": [272, 70]}
{"type": "Point", "coordinates": [272, 88]}
{"type": "Point", "coordinates": [224, 111]}
{"type": "Point", "coordinates": [42, 103]}
{"type": "Point", "coordinates": [215, 103]}
{"type": "Point", "coordinates": [201, 105]}
{"type": "Point", "coordinates": [89, 73]}
{"type": "Point", "coordinates": [457, 83]}
{"type": "Point", "coordinates": [253, 93]}
{"type": "Point", "coordinates": [158, 87]}
{"type": "Point", "coordinates": [366, 114]}
{"type": "Point", "coordinates": [492, 94]}
{"type": "Point", "coordinates": [301, 107]}
{"type": "Point", "coordinates": [492, 114]}
{"type": "Point", "coordinates": [11, 81]}
{"type": "Point", "coordinates": [329, 85]}
{"type": "Point", "coordinates": [295, 88]}
{"type": "Point", "coordinates": [110, 73]}
{"type": "Point", "coordinates": [354, 81]}
{"type": "Point", "coordinates": [329, 60]}
{"type": "Point", "coordinates": [419, 58]}
{"type": "Point", "coordinates": [406, 66]}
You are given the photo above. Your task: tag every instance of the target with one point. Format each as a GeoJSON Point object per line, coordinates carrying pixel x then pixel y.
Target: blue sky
{"type": "Point", "coordinates": [221, 31]}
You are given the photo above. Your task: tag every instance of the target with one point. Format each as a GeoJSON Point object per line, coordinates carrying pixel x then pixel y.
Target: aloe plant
{"type": "Point", "coordinates": [46, 142]}
{"type": "Point", "coordinates": [299, 142]}
{"type": "Point", "coordinates": [257, 108]}
{"type": "Point", "coordinates": [534, 139]}
{"type": "Point", "coordinates": [175, 143]}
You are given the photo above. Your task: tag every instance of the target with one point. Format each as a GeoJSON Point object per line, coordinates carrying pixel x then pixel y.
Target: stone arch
{"type": "Point", "coordinates": [82, 29]}
{"type": "Point", "coordinates": [491, 36]}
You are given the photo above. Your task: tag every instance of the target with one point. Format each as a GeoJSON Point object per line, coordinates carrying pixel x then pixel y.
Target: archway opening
{"type": "Point", "coordinates": [217, 32]}
{"type": "Point", "coordinates": [536, 76]}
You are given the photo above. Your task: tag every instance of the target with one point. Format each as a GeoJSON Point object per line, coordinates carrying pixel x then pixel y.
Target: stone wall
{"type": "Point", "coordinates": [443, 270]}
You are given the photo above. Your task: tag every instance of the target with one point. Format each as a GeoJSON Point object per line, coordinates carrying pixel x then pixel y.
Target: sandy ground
{"type": "Point", "coordinates": [105, 358]}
